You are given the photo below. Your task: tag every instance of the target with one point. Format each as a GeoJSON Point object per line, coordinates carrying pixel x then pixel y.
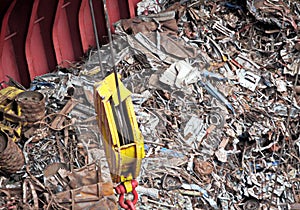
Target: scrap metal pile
{"type": "Point", "coordinates": [50, 155]}
{"type": "Point", "coordinates": [216, 94]}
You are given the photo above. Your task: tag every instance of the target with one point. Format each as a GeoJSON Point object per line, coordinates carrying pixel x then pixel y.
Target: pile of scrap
{"type": "Point", "coordinates": [50, 152]}
{"type": "Point", "coordinates": [216, 94]}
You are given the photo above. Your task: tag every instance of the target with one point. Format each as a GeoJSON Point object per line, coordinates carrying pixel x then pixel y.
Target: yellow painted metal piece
{"type": "Point", "coordinates": [7, 106]}
{"type": "Point", "coordinates": [124, 158]}
{"type": "Point", "coordinates": [128, 186]}
{"type": "Point", "coordinates": [10, 93]}
{"type": "Point", "coordinates": [13, 131]}
{"type": "Point", "coordinates": [10, 112]}
{"type": "Point", "coordinates": [92, 72]}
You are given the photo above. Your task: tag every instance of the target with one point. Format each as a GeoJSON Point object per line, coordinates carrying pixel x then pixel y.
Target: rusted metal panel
{"type": "Point", "coordinates": [32, 104]}
{"type": "Point", "coordinates": [11, 156]}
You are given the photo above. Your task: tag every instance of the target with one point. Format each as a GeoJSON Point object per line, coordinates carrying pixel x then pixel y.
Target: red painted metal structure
{"type": "Point", "coordinates": [39, 48]}
{"type": "Point", "coordinates": [37, 36]}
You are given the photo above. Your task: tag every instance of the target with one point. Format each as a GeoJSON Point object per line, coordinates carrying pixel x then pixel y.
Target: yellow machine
{"type": "Point", "coordinates": [10, 112]}
{"type": "Point", "coordinates": [122, 139]}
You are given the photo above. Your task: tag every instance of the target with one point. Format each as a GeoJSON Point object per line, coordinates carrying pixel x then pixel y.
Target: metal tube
{"type": "Point", "coordinates": [96, 37]}
{"type": "Point", "coordinates": [123, 128]}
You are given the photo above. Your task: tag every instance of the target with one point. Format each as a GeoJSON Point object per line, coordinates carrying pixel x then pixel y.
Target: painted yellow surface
{"type": "Point", "coordinates": [124, 158]}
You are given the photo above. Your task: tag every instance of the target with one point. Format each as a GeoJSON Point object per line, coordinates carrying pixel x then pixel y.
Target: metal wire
{"type": "Point", "coordinates": [96, 37]}
{"type": "Point", "coordinates": [123, 128]}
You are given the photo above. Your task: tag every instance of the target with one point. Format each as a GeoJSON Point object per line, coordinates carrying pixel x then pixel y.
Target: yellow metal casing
{"type": "Point", "coordinates": [7, 105]}
{"type": "Point", "coordinates": [13, 130]}
{"type": "Point", "coordinates": [124, 158]}
{"type": "Point", "coordinates": [10, 112]}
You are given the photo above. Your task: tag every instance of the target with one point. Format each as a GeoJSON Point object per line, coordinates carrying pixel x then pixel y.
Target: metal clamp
{"type": "Point", "coordinates": [127, 187]}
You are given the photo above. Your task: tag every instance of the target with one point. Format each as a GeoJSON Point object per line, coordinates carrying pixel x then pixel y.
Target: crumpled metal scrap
{"type": "Point", "coordinates": [232, 108]}
{"type": "Point", "coordinates": [216, 94]}
{"type": "Point", "coordinates": [58, 148]}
